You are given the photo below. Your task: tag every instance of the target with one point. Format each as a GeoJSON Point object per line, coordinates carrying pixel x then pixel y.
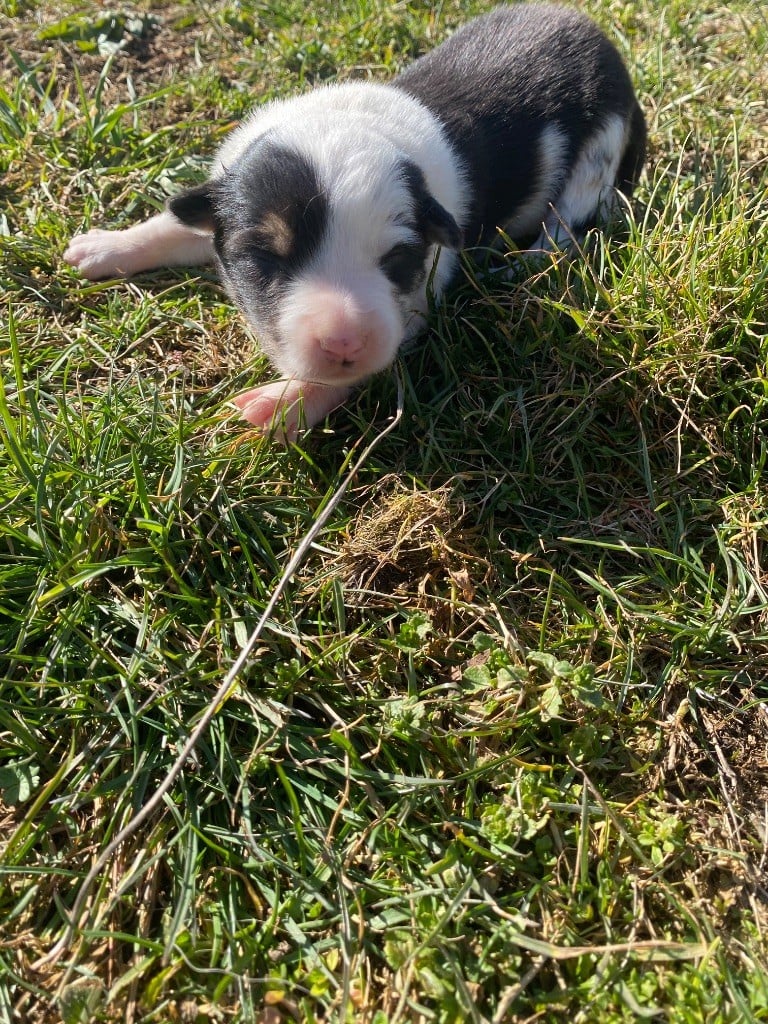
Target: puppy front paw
{"type": "Point", "coordinates": [283, 407]}
{"type": "Point", "coordinates": [99, 254]}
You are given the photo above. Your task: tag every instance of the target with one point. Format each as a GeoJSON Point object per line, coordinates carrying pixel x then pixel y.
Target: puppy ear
{"type": "Point", "coordinates": [434, 222]}
{"type": "Point", "coordinates": [439, 226]}
{"type": "Point", "coordinates": [195, 207]}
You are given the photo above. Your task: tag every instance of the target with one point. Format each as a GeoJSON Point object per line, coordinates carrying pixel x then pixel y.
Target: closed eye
{"type": "Point", "coordinates": [404, 265]}
{"type": "Point", "coordinates": [249, 246]}
{"type": "Point", "coordinates": [264, 257]}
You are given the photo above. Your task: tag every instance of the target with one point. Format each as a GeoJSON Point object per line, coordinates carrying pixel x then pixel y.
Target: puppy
{"type": "Point", "coordinates": [331, 216]}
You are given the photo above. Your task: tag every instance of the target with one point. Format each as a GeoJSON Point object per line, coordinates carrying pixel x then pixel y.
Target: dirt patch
{"type": "Point", "coordinates": [145, 51]}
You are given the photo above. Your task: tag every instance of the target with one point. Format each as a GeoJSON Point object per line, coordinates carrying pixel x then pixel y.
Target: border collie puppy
{"type": "Point", "coordinates": [330, 215]}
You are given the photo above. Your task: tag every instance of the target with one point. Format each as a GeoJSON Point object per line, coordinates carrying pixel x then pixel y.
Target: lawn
{"type": "Point", "coordinates": [457, 709]}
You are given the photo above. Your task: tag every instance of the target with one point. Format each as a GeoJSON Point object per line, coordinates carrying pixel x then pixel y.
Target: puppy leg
{"type": "Point", "coordinates": [588, 196]}
{"type": "Point", "coordinates": [161, 241]}
{"type": "Point", "coordinates": [285, 406]}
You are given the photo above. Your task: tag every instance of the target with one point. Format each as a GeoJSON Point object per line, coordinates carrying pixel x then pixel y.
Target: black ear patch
{"type": "Point", "coordinates": [195, 207]}
{"type": "Point", "coordinates": [433, 221]}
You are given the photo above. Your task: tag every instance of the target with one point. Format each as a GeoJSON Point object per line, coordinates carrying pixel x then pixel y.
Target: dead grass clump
{"type": "Point", "coordinates": [410, 544]}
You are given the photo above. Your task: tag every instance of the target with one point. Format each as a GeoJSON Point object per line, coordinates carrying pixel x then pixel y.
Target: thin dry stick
{"type": "Point", "coordinates": [216, 702]}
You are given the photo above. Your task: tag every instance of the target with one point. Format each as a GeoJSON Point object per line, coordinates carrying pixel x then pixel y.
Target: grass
{"type": "Point", "coordinates": [499, 753]}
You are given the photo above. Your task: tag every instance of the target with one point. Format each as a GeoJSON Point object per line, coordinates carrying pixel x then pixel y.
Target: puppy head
{"type": "Point", "coordinates": [327, 254]}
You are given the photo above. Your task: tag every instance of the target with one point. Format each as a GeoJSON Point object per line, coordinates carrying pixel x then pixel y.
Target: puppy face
{"type": "Point", "coordinates": [326, 256]}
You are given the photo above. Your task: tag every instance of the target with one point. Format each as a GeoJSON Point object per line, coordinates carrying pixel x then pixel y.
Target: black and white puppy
{"type": "Point", "coordinates": [329, 215]}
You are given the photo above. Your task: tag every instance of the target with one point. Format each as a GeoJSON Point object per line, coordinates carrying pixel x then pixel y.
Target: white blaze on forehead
{"type": "Point", "coordinates": [370, 210]}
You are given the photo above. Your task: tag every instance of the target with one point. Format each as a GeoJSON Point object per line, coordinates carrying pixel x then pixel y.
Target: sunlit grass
{"type": "Point", "coordinates": [499, 753]}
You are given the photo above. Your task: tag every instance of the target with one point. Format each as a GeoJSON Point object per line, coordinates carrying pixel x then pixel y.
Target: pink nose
{"type": "Point", "coordinates": [342, 347]}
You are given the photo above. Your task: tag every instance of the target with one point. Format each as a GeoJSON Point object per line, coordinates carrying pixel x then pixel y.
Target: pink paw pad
{"type": "Point", "coordinates": [286, 406]}
{"type": "Point", "coordinates": [274, 406]}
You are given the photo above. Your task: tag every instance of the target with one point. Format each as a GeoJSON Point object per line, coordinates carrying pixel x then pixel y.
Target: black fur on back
{"type": "Point", "coordinates": [499, 81]}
